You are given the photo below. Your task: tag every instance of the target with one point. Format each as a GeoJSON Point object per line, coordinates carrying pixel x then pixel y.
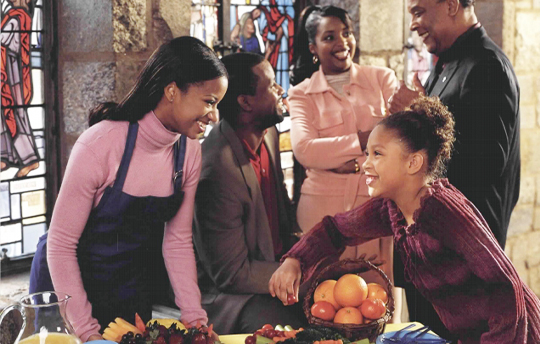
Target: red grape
{"type": "Point", "coordinates": [250, 340]}
{"type": "Point", "coordinates": [291, 299]}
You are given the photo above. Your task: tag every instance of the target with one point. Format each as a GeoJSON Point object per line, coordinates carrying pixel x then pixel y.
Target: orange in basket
{"type": "Point", "coordinates": [325, 292]}
{"type": "Point", "coordinates": [348, 315]}
{"type": "Point", "coordinates": [350, 290]}
{"type": "Point", "coordinates": [377, 291]}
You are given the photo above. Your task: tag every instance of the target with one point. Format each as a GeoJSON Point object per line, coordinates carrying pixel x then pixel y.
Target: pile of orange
{"type": "Point", "coordinates": [349, 300]}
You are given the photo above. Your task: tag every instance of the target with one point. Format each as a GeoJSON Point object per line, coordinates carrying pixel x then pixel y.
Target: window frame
{"type": "Point", "coordinates": [52, 130]}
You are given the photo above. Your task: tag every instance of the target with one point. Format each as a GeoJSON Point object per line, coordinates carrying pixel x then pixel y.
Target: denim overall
{"type": "Point", "coordinates": [120, 250]}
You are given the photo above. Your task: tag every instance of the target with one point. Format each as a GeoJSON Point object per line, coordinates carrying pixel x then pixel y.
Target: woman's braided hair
{"type": "Point", "coordinates": [426, 125]}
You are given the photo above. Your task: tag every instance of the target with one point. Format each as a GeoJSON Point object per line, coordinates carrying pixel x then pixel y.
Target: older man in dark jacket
{"type": "Point", "coordinates": [475, 79]}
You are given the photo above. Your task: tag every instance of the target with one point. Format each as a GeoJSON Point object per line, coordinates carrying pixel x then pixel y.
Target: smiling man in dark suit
{"type": "Point", "coordinates": [243, 221]}
{"type": "Point", "coordinates": [475, 79]}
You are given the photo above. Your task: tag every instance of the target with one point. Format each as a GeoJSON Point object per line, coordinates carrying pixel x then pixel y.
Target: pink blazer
{"type": "Point", "coordinates": [325, 125]}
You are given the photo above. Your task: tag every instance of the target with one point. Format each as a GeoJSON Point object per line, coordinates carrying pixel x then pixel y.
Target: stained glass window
{"type": "Point", "coordinates": [265, 27]}
{"type": "Point", "coordinates": [204, 21]}
{"type": "Point", "coordinates": [22, 136]}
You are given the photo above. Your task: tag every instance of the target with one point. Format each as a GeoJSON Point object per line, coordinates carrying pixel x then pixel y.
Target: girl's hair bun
{"type": "Point", "coordinates": [436, 112]}
{"type": "Point", "coordinates": [426, 125]}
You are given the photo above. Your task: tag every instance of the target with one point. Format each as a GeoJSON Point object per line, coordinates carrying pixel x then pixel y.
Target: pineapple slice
{"type": "Point", "coordinates": [118, 328]}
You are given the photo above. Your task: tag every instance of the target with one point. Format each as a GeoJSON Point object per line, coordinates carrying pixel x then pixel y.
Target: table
{"type": "Point", "coordinates": [240, 338]}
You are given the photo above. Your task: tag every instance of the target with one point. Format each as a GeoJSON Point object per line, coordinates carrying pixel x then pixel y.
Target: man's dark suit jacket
{"type": "Point", "coordinates": [480, 88]}
{"type": "Point", "coordinates": [231, 233]}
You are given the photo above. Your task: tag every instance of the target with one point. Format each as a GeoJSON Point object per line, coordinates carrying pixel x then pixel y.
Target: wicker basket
{"type": "Point", "coordinates": [351, 331]}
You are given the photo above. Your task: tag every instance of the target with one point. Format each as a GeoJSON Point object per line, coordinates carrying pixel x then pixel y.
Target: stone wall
{"type": "Point", "coordinates": [102, 47]}
{"type": "Point", "coordinates": [382, 34]}
{"type": "Point", "coordinates": [521, 41]}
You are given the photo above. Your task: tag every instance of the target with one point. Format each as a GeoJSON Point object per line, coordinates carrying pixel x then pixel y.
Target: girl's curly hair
{"type": "Point", "coordinates": [426, 125]}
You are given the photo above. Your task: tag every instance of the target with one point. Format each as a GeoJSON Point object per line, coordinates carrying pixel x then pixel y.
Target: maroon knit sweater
{"type": "Point", "coordinates": [450, 255]}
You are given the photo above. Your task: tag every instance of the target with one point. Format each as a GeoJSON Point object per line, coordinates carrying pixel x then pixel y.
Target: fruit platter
{"type": "Point", "coordinates": [157, 331]}
{"type": "Point", "coordinates": [406, 333]}
{"type": "Point", "coordinates": [269, 334]}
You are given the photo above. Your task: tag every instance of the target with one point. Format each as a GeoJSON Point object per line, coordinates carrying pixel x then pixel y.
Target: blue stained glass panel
{"type": "Point", "coordinates": [36, 59]}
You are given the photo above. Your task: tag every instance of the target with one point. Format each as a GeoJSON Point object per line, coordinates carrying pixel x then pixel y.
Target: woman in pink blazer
{"type": "Point", "coordinates": [332, 114]}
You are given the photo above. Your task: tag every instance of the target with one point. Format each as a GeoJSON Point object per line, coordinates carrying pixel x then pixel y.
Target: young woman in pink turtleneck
{"type": "Point", "coordinates": [449, 253]}
{"type": "Point", "coordinates": [122, 221]}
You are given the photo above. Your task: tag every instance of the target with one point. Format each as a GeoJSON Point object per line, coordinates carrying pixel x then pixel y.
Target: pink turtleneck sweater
{"type": "Point", "coordinates": [92, 167]}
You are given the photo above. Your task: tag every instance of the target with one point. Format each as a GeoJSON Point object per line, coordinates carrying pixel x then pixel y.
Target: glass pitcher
{"type": "Point", "coordinates": [44, 319]}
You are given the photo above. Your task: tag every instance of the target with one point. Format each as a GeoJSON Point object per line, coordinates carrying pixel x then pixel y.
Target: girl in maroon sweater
{"type": "Point", "coordinates": [449, 252]}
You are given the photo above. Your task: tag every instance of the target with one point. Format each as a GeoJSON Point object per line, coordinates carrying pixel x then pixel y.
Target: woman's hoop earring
{"type": "Point", "coordinates": [315, 59]}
